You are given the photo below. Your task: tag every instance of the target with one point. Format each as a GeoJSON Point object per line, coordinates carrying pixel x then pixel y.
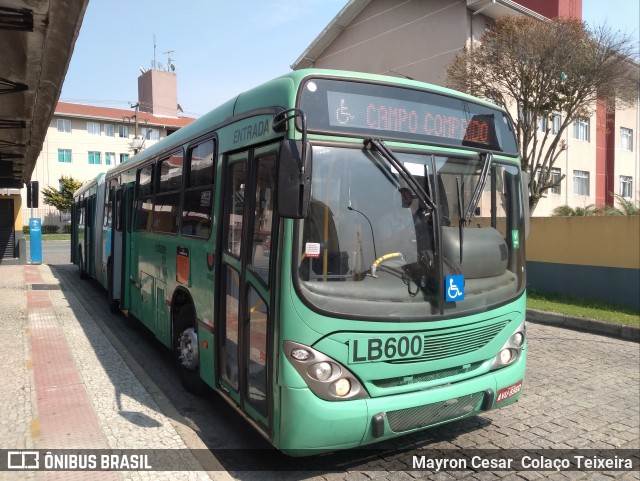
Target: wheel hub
{"type": "Point", "coordinates": [188, 348]}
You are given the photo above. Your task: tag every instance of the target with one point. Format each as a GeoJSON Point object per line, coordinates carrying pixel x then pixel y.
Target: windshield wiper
{"type": "Point", "coordinates": [487, 158]}
{"type": "Point", "coordinates": [415, 186]}
{"type": "Point", "coordinates": [460, 220]}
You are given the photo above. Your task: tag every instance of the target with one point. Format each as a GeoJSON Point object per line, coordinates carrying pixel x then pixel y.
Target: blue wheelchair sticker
{"type": "Point", "coordinates": [454, 287]}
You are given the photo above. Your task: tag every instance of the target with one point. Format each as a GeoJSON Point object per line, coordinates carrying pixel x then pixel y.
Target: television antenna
{"type": "Point", "coordinates": [153, 64]}
{"type": "Point", "coordinates": [170, 65]}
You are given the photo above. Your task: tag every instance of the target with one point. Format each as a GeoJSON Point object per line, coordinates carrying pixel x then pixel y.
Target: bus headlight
{"type": "Point", "coordinates": [518, 339]}
{"type": "Point", "coordinates": [342, 387]}
{"type": "Point", "coordinates": [326, 378]}
{"type": "Point", "coordinates": [321, 371]}
{"type": "Point", "coordinates": [300, 354]}
{"type": "Point", "coordinates": [511, 349]}
{"type": "Point", "coordinates": [505, 356]}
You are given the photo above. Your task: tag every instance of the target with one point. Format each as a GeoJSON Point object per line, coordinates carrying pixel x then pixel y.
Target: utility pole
{"type": "Point", "coordinates": [135, 106]}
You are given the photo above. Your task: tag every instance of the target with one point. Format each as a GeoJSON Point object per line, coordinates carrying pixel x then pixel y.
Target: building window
{"type": "Point", "coordinates": [556, 174]}
{"type": "Point", "coordinates": [109, 158]}
{"type": "Point", "coordinates": [64, 156]}
{"type": "Point", "coordinates": [123, 131]}
{"type": "Point", "coordinates": [581, 129]}
{"type": "Point", "coordinates": [93, 128]}
{"type": "Point", "coordinates": [64, 126]}
{"type": "Point", "coordinates": [150, 134]}
{"type": "Point", "coordinates": [542, 124]}
{"type": "Point", "coordinates": [580, 182]}
{"type": "Point", "coordinates": [109, 130]}
{"type": "Point", "coordinates": [556, 120]}
{"type": "Point", "coordinates": [124, 157]}
{"type": "Point", "coordinates": [626, 185]}
{"type": "Point", "coordinates": [626, 139]}
{"type": "Point", "coordinates": [94, 158]}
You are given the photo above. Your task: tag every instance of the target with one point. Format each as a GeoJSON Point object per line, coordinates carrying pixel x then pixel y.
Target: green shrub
{"type": "Point", "coordinates": [26, 229]}
{"type": "Point", "coordinates": [66, 229]}
{"type": "Point", "coordinates": [626, 207]}
{"type": "Point", "coordinates": [49, 229]}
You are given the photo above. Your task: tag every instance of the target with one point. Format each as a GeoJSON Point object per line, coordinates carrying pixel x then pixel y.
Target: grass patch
{"type": "Point", "coordinates": [589, 309]}
{"type": "Point", "coordinates": [50, 237]}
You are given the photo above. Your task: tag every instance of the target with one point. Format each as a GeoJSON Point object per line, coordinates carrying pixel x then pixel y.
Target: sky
{"type": "Point", "coordinates": [219, 48]}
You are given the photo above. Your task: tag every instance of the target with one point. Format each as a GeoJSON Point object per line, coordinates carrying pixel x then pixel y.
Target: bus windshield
{"type": "Point", "coordinates": [369, 248]}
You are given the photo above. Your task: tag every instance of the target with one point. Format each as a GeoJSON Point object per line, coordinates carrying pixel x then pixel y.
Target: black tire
{"type": "Point", "coordinates": [185, 325]}
{"type": "Point", "coordinates": [114, 304]}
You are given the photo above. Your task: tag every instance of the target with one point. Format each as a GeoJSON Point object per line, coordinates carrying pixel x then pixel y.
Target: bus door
{"type": "Point", "coordinates": [87, 252]}
{"type": "Point", "coordinates": [125, 217]}
{"type": "Point", "coordinates": [245, 310]}
{"type": "Point", "coordinates": [115, 266]}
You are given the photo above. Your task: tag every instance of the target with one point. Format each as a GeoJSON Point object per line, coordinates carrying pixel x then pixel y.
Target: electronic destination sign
{"type": "Point", "coordinates": [349, 107]}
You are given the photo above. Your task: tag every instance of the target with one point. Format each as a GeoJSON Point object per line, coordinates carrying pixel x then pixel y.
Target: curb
{"type": "Point", "coordinates": [618, 331]}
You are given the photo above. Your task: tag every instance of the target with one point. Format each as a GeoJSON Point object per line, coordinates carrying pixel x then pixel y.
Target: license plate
{"type": "Point", "coordinates": [509, 391]}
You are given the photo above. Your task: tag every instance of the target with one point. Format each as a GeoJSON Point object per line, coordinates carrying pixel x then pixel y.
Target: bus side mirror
{"type": "Point", "coordinates": [294, 179]}
{"type": "Point", "coordinates": [525, 202]}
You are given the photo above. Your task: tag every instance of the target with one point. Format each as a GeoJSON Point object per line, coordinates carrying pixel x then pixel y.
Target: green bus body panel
{"type": "Point", "coordinates": [323, 426]}
{"type": "Point", "coordinates": [449, 379]}
{"type": "Point", "coordinates": [207, 358]}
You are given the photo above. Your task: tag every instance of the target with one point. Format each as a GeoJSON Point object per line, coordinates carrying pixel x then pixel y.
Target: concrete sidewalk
{"type": "Point", "coordinates": [65, 387]}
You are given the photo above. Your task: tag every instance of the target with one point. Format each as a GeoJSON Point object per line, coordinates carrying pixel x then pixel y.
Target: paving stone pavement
{"type": "Point", "coordinates": [64, 386]}
{"type": "Point", "coordinates": [581, 391]}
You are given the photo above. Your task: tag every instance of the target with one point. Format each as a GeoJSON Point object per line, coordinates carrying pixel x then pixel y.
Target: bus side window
{"type": "Point", "coordinates": [167, 203]}
{"type": "Point", "coordinates": [264, 212]}
{"type": "Point", "coordinates": [198, 191]}
{"type": "Point", "coordinates": [144, 198]}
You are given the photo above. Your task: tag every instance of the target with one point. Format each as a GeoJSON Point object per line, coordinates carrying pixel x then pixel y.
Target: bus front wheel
{"type": "Point", "coordinates": [186, 350]}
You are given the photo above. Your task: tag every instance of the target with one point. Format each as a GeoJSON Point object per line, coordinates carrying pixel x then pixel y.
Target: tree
{"type": "Point", "coordinates": [63, 197]}
{"type": "Point", "coordinates": [546, 69]}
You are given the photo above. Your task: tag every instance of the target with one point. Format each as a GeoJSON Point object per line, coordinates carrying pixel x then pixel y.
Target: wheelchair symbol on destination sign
{"type": "Point", "coordinates": [455, 288]}
{"type": "Point", "coordinates": [343, 116]}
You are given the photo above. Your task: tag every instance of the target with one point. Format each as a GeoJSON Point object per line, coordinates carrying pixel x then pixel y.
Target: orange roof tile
{"type": "Point", "coordinates": [108, 113]}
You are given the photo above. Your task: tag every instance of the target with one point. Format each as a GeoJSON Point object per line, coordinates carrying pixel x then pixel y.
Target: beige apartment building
{"type": "Point", "coordinates": [83, 141]}
{"type": "Point", "coordinates": [418, 39]}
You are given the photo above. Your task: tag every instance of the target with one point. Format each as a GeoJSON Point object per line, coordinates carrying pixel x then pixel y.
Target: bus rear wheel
{"type": "Point", "coordinates": [186, 350]}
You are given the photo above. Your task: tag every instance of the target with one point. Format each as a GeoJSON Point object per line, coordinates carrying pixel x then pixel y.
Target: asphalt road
{"type": "Point", "coordinates": [53, 252]}
{"type": "Point", "coordinates": [581, 392]}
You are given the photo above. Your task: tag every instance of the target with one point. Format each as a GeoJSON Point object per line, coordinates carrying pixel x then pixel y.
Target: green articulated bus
{"type": "Point", "coordinates": [339, 255]}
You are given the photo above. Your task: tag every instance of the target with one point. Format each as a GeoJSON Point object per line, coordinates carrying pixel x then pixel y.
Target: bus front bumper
{"type": "Point", "coordinates": [320, 426]}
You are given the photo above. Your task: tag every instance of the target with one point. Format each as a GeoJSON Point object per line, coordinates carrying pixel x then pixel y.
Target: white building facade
{"type": "Point", "coordinates": [84, 140]}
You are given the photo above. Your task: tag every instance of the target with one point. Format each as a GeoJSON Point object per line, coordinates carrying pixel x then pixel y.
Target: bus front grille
{"type": "Point", "coordinates": [429, 414]}
{"type": "Point", "coordinates": [425, 376]}
{"type": "Point", "coordinates": [440, 346]}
